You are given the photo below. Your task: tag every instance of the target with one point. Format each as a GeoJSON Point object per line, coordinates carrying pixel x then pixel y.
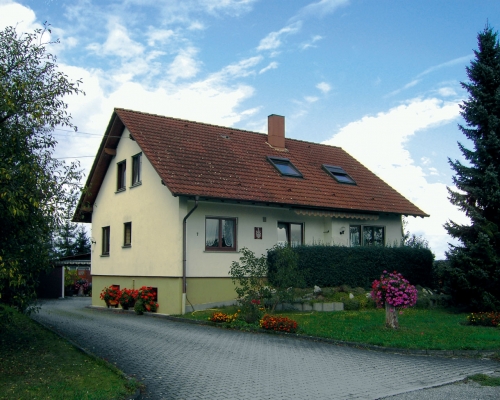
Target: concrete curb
{"type": "Point", "coordinates": [135, 396]}
{"type": "Point", "coordinates": [486, 354]}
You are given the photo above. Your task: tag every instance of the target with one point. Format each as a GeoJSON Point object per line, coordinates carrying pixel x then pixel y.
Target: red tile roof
{"type": "Point", "coordinates": [214, 162]}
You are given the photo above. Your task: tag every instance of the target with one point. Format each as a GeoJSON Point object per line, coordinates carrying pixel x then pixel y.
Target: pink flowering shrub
{"type": "Point", "coordinates": [394, 290]}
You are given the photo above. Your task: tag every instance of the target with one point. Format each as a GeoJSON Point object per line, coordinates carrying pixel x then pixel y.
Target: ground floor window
{"type": "Point", "coordinates": [290, 233]}
{"type": "Point", "coordinates": [364, 235]}
{"type": "Point", "coordinates": [220, 234]}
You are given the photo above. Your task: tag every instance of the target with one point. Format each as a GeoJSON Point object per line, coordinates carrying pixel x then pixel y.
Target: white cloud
{"type": "Point", "coordinates": [425, 160]}
{"type": "Point", "coordinates": [311, 42]}
{"type": "Point", "coordinates": [460, 60]}
{"type": "Point", "coordinates": [407, 86]}
{"type": "Point", "coordinates": [272, 65]}
{"type": "Point", "coordinates": [184, 65]}
{"type": "Point", "coordinates": [311, 99]}
{"type": "Point", "coordinates": [240, 69]}
{"type": "Point", "coordinates": [321, 8]}
{"type": "Point", "coordinates": [235, 7]}
{"type": "Point", "coordinates": [447, 92]}
{"type": "Point", "coordinates": [380, 143]}
{"type": "Point", "coordinates": [118, 43]}
{"type": "Point", "coordinates": [273, 40]}
{"type": "Point", "coordinates": [17, 15]}
{"type": "Point", "coordinates": [324, 87]}
{"type": "Point", "coordinates": [158, 35]}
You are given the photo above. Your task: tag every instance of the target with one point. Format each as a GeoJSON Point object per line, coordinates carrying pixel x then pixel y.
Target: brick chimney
{"type": "Point", "coordinates": [276, 131]}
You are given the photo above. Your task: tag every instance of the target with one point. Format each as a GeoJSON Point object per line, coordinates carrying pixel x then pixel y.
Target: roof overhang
{"type": "Point", "coordinates": [106, 152]}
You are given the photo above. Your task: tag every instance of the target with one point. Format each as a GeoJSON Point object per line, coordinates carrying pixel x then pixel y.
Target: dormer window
{"type": "Point", "coordinates": [284, 166]}
{"type": "Point", "coordinates": [339, 174]}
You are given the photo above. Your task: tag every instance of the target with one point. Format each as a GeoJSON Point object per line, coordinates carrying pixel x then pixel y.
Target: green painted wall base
{"type": "Point", "coordinates": [201, 293]}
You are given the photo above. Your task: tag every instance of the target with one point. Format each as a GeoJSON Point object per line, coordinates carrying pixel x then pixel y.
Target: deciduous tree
{"type": "Point", "coordinates": [35, 187]}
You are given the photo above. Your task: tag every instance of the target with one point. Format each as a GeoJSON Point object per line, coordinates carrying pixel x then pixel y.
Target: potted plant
{"type": "Point", "coordinates": [146, 300]}
{"type": "Point", "coordinates": [111, 295]}
{"type": "Point", "coordinates": [81, 285]}
{"type": "Point", "coordinates": [128, 298]}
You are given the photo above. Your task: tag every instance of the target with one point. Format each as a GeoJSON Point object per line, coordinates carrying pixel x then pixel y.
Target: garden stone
{"type": "Point", "coordinates": [307, 307]}
{"type": "Point", "coordinates": [318, 306]}
{"type": "Point", "coordinates": [317, 290]}
{"type": "Point", "coordinates": [351, 296]}
{"type": "Point", "coordinates": [297, 306]}
{"type": "Point", "coordinates": [327, 306]}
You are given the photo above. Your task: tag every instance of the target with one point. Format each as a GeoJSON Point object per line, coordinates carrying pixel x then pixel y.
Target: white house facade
{"type": "Point", "coordinates": [172, 202]}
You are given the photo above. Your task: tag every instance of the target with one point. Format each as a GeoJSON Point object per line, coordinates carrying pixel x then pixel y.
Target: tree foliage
{"type": "Point", "coordinates": [35, 187]}
{"type": "Point", "coordinates": [474, 264]}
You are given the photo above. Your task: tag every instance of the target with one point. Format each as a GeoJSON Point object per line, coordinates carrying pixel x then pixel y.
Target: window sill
{"type": "Point", "coordinates": [221, 251]}
{"type": "Point", "coordinates": [104, 255]}
{"type": "Point", "coordinates": [135, 185]}
{"type": "Point", "coordinates": [121, 190]}
{"type": "Point", "coordinates": [126, 246]}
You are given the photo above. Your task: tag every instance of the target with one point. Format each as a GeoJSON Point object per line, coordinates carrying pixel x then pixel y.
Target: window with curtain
{"type": "Point", "coordinates": [364, 235]}
{"type": "Point", "coordinates": [290, 233]}
{"type": "Point", "coordinates": [220, 234]}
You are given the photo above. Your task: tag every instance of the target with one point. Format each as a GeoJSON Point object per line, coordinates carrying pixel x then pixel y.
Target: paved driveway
{"type": "Point", "coordinates": [185, 361]}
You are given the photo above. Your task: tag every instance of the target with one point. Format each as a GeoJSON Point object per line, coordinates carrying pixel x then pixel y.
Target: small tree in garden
{"type": "Point", "coordinates": [394, 292]}
{"type": "Point", "coordinates": [249, 276]}
{"type": "Point", "coordinates": [286, 275]}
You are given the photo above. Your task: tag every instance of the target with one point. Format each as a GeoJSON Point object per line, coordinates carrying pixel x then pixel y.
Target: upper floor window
{"type": "Point", "coordinates": [284, 166]}
{"type": "Point", "coordinates": [127, 234]}
{"type": "Point", "coordinates": [105, 240]}
{"type": "Point", "coordinates": [339, 174]}
{"type": "Point", "coordinates": [290, 233]}
{"type": "Point", "coordinates": [220, 234]}
{"type": "Point", "coordinates": [121, 175]}
{"type": "Point", "coordinates": [137, 169]}
{"type": "Point", "coordinates": [362, 235]}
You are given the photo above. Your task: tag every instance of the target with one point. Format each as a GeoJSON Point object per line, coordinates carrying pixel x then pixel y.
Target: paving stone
{"type": "Point", "coordinates": [176, 360]}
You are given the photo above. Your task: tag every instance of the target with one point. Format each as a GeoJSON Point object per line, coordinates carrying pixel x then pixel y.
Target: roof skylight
{"type": "Point", "coordinates": [284, 166]}
{"type": "Point", "coordinates": [339, 174]}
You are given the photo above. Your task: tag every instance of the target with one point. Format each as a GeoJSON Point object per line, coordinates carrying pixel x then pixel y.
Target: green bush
{"type": "Point", "coordinates": [359, 266]}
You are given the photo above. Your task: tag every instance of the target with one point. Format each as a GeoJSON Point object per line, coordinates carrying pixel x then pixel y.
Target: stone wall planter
{"type": "Point", "coordinates": [320, 307]}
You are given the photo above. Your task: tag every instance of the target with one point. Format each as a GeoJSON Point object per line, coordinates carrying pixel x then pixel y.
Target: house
{"type": "Point", "coordinates": [171, 203]}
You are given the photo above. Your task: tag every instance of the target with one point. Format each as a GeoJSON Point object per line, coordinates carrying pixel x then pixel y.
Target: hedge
{"type": "Point", "coordinates": [328, 266]}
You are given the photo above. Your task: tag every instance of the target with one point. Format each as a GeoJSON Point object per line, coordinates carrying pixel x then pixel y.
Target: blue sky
{"type": "Point", "coordinates": [379, 78]}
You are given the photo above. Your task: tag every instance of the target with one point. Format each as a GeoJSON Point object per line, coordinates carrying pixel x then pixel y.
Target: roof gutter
{"type": "Point", "coordinates": [184, 254]}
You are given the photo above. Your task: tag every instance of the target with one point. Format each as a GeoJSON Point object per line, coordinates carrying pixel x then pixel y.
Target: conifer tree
{"type": "Point", "coordinates": [474, 264]}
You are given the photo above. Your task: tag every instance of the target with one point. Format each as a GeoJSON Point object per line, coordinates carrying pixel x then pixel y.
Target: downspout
{"type": "Point", "coordinates": [184, 252]}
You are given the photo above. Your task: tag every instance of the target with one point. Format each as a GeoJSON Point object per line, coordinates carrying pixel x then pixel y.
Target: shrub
{"type": "Point", "coordinates": [284, 274]}
{"type": "Point", "coordinates": [249, 275]}
{"type": "Point", "coordinates": [352, 305]}
{"type": "Point", "coordinates": [484, 319]}
{"type": "Point", "coordinates": [329, 266]}
{"type": "Point", "coordinates": [281, 324]}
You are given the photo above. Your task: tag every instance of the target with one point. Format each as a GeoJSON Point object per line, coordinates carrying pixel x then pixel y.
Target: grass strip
{"type": "Point", "coordinates": [36, 363]}
{"type": "Point", "coordinates": [485, 380]}
{"type": "Point", "coordinates": [420, 329]}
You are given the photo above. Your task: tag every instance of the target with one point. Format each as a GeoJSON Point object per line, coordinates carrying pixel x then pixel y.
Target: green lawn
{"type": "Point", "coordinates": [434, 329]}
{"type": "Point", "coordinates": [36, 363]}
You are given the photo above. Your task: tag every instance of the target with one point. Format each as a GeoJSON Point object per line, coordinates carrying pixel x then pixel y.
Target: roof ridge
{"type": "Point", "coordinates": [191, 121]}
{"type": "Point", "coordinates": [219, 126]}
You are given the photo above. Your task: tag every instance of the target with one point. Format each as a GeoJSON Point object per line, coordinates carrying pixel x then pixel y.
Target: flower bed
{"type": "Point", "coordinates": [484, 319]}
{"type": "Point", "coordinates": [281, 324]}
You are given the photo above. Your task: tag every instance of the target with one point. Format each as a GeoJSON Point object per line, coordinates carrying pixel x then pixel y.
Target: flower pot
{"type": "Point", "coordinates": [112, 303]}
